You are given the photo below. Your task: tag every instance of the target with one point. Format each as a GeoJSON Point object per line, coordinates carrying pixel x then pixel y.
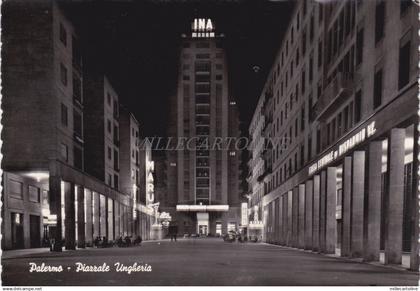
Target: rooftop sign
{"type": "Point", "coordinates": [202, 28]}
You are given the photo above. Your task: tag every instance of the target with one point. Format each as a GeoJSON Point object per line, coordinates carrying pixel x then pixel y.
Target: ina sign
{"type": "Point", "coordinates": [202, 27]}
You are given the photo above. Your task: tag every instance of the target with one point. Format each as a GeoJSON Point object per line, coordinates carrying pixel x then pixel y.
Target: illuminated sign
{"type": "Point", "coordinates": [202, 27]}
{"type": "Point", "coordinates": [202, 208]}
{"type": "Point", "coordinates": [344, 147]}
{"type": "Point", "coordinates": [244, 214]}
{"type": "Point", "coordinates": [150, 187]}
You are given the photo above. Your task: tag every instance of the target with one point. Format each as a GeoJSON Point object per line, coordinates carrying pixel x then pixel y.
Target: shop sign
{"type": "Point", "coordinates": [344, 147]}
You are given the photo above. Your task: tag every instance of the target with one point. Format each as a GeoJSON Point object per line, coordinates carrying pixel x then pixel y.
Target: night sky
{"type": "Point", "coordinates": [137, 44]}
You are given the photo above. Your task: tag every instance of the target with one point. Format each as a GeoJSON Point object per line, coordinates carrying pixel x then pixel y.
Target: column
{"type": "Point", "coordinates": [285, 223]}
{"type": "Point", "coordinates": [322, 211]}
{"type": "Point", "coordinates": [277, 220]}
{"type": "Point", "coordinates": [280, 229]}
{"type": "Point", "coordinates": [289, 217]}
{"type": "Point", "coordinates": [373, 230]}
{"type": "Point", "coordinates": [346, 208]}
{"type": "Point", "coordinates": [295, 211]}
{"type": "Point", "coordinates": [55, 208]}
{"type": "Point", "coordinates": [102, 215]}
{"type": "Point", "coordinates": [301, 216]}
{"type": "Point", "coordinates": [414, 257]}
{"type": "Point", "coordinates": [316, 218]}
{"type": "Point", "coordinates": [357, 204]}
{"type": "Point", "coordinates": [95, 213]}
{"type": "Point", "coordinates": [69, 221]}
{"type": "Point", "coordinates": [89, 221]}
{"type": "Point", "coordinates": [110, 219]}
{"type": "Point", "coordinates": [117, 219]}
{"type": "Point", "coordinates": [81, 239]}
{"type": "Point", "coordinates": [330, 211]}
{"type": "Point", "coordinates": [308, 214]}
{"type": "Point", "coordinates": [395, 203]}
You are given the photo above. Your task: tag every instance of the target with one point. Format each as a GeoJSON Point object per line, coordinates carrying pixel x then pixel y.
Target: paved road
{"type": "Point", "coordinates": [203, 262]}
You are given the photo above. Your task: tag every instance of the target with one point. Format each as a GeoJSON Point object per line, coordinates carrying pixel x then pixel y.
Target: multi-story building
{"type": "Point", "coordinates": [48, 194]}
{"type": "Point", "coordinates": [102, 129]}
{"type": "Point", "coordinates": [344, 110]}
{"type": "Point", "coordinates": [203, 181]}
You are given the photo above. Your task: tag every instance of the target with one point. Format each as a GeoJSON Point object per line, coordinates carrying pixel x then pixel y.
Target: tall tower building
{"type": "Point", "coordinates": [203, 178]}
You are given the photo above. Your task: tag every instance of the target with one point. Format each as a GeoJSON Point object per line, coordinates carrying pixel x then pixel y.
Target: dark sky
{"type": "Point", "coordinates": [137, 43]}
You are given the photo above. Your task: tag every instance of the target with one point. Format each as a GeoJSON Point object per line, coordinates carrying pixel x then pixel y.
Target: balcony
{"type": "Point", "coordinates": [340, 88]}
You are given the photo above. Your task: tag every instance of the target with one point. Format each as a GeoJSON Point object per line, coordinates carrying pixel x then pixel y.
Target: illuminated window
{"type": "Point", "coordinates": [64, 152]}
{"type": "Point", "coordinates": [63, 34]}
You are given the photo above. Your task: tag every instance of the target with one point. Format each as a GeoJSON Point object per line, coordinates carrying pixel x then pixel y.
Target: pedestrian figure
{"type": "Point", "coordinates": [173, 231]}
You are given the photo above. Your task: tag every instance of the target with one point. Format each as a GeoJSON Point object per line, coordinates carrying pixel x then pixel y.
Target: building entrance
{"type": "Point", "coordinates": [202, 223]}
{"type": "Point", "coordinates": [35, 231]}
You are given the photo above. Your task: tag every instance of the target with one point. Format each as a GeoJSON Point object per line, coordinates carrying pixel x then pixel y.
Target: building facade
{"type": "Point", "coordinates": [204, 181]}
{"type": "Point", "coordinates": [343, 90]}
{"type": "Point", "coordinates": [51, 192]}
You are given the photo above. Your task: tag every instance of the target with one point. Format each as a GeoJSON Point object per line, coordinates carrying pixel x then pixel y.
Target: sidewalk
{"type": "Point", "coordinates": [381, 263]}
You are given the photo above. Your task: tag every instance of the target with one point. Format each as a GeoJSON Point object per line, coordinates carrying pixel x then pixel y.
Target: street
{"type": "Point", "coordinates": [201, 262]}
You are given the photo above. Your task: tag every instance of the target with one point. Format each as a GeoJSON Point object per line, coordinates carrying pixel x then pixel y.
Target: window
{"type": "Point", "coordinates": [219, 67]}
{"type": "Point", "coordinates": [63, 34]}
{"type": "Point", "coordinates": [379, 21]}
{"type": "Point", "coordinates": [77, 123]}
{"type": "Point", "coordinates": [78, 157]}
{"type": "Point", "coordinates": [15, 189]}
{"type": "Point", "coordinates": [64, 115]}
{"type": "Point", "coordinates": [203, 45]}
{"type": "Point", "coordinates": [219, 77]}
{"type": "Point", "coordinates": [404, 65]}
{"type": "Point", "coordinates": [311, 28]}
{"type": "Point", "coordinates": [377, 89]}
{"type": "Point", "coordinates": [77, 89]}
{"type": "Point", "coordinates": [185, 67]}
{"type": "Point", "coordinates": [219, 55]}
{"type": "Point", "coordinates": [309, 147]}
{"type": "Point", "coordinates": [108, 123]}
{"type": "Point", "coordinates": [109, 153]}
{"type": "Point", "coordinates": [108, 98]}
{"type": "Point", "coordinates": [311, 66]}
{"type": "Point", "coordinates": [63, 74]}
{"type": "Point", "coordinates": [34, 194]}
{"type": "Point", "coordinates": [291, 35]}
{"type": "Point", "coordinates": [319, 53]}
{"type": "Point", "coordinates": [359, 47]}
{"type": "Point", "coordinates": [303, 81]}
{"type": "Point", "coordinates": [64, 152]}
{"type": "Point", "coordinates": [320, 12]}
{"type": "Point", "coordinates": [185, 77]}
{"type": "Point", "coordinates": [404, 5]}
{"type": "Point", "coordinates": [302, 155]}
{"type": "Point", "coordinates": [302, 118]}
{"type": "Point", "coordinates": [203, 56]}
{"type": "Point", "coordinates": [358, 106]}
